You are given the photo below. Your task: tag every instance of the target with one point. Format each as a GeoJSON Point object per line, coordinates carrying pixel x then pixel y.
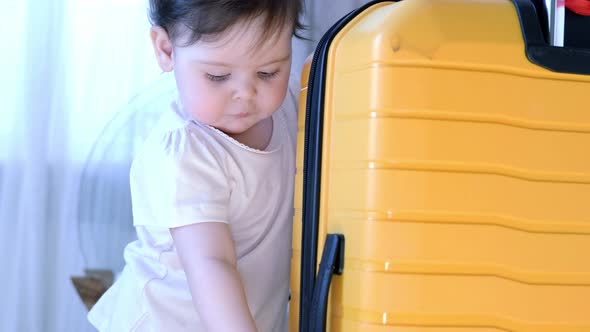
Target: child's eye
{"type": "Point", "coordinates": [267, 76]}
{"type": "Point", "coordinates": [217, 78]}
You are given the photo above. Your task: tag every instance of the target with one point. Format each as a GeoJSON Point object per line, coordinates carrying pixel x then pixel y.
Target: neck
{"type": "Point", "coordinates": [258, 136]}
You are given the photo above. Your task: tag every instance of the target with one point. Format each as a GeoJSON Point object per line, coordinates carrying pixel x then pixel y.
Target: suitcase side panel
{"type": "Point", "coordinates": [457, 171]}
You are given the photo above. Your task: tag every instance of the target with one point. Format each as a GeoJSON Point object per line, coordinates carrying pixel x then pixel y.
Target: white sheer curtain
{"type": "Point", "coordinates": [67, 67]}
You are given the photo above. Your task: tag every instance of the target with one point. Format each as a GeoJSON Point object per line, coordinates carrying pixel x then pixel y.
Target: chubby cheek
{"type": "Point", "coordinates": [274, 98]}
{"type": "Point", "coordinates": [206, 108]}
{"type": "Point", "coordinates": [200, 101]}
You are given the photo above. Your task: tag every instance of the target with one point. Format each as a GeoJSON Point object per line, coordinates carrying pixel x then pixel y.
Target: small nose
{"type": "Point", "coordinates": [245, 90]}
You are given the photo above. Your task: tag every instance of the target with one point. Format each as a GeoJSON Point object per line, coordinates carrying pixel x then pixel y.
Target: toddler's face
{"type": "Point", "coordinates": [234, 82]}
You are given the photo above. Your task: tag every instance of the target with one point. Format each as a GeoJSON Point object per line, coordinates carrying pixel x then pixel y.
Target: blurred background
{"type": "Point", "coordinates": [79, 89]}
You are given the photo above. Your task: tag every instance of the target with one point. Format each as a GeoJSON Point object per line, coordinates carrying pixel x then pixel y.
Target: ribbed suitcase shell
{"type": "Point", "coordinates": [458, 172]}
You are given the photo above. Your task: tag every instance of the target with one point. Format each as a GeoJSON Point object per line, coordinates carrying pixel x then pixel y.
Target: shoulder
{"type": "Point", "coordinates": [179, 144]}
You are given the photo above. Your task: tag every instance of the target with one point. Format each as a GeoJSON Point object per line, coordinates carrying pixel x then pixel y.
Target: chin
{"type": "Point", "coordinates": [236, 130]}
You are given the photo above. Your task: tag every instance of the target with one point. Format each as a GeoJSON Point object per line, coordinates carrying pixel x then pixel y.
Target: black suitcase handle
{"type": "Point", "coordinates": [332, 263]}
{"type": "Point", "coordinates": [558, 59]}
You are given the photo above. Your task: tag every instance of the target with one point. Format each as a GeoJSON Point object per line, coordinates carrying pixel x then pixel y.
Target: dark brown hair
{"type": "Point", "coordinates": [210, 18]}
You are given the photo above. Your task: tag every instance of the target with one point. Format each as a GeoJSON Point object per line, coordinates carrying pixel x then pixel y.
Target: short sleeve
{"type": "Point", "coordinates": [179, 179]}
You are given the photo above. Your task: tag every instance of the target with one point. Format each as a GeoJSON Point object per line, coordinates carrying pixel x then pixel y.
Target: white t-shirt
{"type": "Point", "coordinates": [188, 173]}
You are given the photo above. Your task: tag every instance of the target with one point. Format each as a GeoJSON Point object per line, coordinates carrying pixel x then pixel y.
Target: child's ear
{"type": "Point", "coordinates": [162, 48]}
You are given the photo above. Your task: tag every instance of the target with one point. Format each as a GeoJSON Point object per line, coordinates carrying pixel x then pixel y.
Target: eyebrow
{"type": "Point", "coordinates": [223, 64]}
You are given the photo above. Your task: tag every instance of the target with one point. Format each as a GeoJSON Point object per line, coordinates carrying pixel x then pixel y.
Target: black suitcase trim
{"type": "Point", "coordinates": [312, 156]}
{"type": "Point", "coordinates": [559, 59]}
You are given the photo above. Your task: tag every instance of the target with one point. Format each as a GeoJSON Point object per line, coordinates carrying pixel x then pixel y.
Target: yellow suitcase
{"type": "Point", "coordinates": [443, 174]}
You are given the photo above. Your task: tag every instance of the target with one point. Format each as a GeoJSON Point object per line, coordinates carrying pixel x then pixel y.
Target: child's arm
{"type": "Point", "coordinates": [208, 257]}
